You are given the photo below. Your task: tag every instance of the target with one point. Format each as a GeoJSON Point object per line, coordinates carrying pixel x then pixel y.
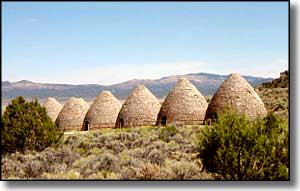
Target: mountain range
{"type": "Point", "coordinates": [206, 83]}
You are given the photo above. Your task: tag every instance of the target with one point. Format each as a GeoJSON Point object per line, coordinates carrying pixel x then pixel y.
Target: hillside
{"type": "Point", "coordinates": [275, 95]}
{"type": "Point", "coordinates": [206, 83]}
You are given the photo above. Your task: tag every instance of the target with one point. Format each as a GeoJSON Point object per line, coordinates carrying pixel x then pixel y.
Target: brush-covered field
{"type": "Point", "coordinates": [137, 153]}
{"type": "Point", "coordinates": [276, 100]}
{"type": "Point", "coordinates": [275, 95]}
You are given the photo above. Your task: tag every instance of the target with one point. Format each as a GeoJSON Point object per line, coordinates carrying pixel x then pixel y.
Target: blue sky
{"type": "Point", "coordinates": [107, 43]}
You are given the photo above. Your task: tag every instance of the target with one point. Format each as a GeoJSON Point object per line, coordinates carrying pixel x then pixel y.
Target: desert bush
{"type": "Point", "coordinates": [12, 169]}
{"type": "Point", "coordinates": [86, 166]}
{"type": "Point", "coordinates": [128, 173]}
{"type": "Point", "coordinates": [104, 175]}
{"type": "Point", "coordinates": [137, 143]}
{"type": "Point", "coordinates": [116, 146]}
{"type": "Point", "coordinates": [145, 141]}
{"type": "Point", "coordinates": [145, 131]}
{"type": "Point", "coordinates": [156, 157]}
{"type": "Point", "coordinates": [108, 154]}
{"type": "Point", "coordinates": [156, 145]}
{"type": "Point", "coordinates": [95, 151]}
{"type": "Point", "coordinates": [109, 162]}
{"type": "Point", "coordinates": [27, 167]}
{"type": "Point", "coordinates": [35, 164]}
{"type": "Point", "coordinates": [128, 136]}
{"type": "Point", "coordinates": [26, 126]}
{"type": "Point", "coordinates": [167, 132]}
{"type": "Point", "coordinates": [63, 155]}
{"type": "Point", "coordinates": [50, 155]}
{"type": "Point", "coordinates": [185, 131]}
{"type": "Point", "coordinates": [33, 168]}
{"type": "Point", "coordinates": [182, 170]}
{"type": "Point", "coordinates": [109, 137]}
{"type": "Point", "coordinates": [154, 136]}
{"type": "Point", "coordinates": [172, 146]}
{"type": "Point", "coordinates": [17, 156]}
{"type": "Point", "coordinates": [178, 138]}
{"type": "Point", "coordinates": [83, 147]}
{"type": "Point", "coordinates": [240, 149]}
{"type": "Point", "coordinates": [125, 158]}
{"type": "Point", "coordinates": [188, 147]}
{"type": "Point", "coordinates": [72, 174]}
{"type": "Point", "coordinates": [138, 153]}
{"type": "Point", "coordinates": [72, 140]}
{"type": "Point", "coordinates": [58, 168]}
{"type": "Point", "coordinates": [148, 171]}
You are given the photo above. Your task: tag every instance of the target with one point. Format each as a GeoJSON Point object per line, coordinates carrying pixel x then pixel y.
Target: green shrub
{"type": "Point", "coordinates": [173, 146]}
{"type": "Point", "coordinates": [72, 140]}
{"type": "Point", "coordinates": [26, 126]}
{"type": "Point", "coordinates": [167, 132]}
{"type": "Point", "coordinates": [240, 149]}
{"type": "Point", "coordinates": [178, 138]}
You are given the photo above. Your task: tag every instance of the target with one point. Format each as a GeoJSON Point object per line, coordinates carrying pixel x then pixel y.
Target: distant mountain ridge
{"type": "Point", "coordinates": [206, 83]}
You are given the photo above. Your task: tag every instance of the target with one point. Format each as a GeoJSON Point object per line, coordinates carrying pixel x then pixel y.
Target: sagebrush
{"type": "Point", "coordinates": [144, 153]}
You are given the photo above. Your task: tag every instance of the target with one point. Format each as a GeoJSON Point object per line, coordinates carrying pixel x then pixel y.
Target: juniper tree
{"type": "Point", "coordinates": [26, 126]}
{"type": "Point", "coordinates": [241, 149]}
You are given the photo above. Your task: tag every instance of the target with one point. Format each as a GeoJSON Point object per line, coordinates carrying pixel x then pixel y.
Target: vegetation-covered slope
{"type": "Point", "coordinates": [275, 95]}
{"type": "Point", "coordinates": [137, 153]}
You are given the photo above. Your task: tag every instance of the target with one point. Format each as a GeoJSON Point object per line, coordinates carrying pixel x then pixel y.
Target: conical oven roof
{"type": "Point", "coordinates": [235, 93]}
{"type": "Point", "coordinates": [184, 104]}
{"type": "Point", "coordinates": [53, 107]}
{"type": "Point", "coordinates": [72, 114]}
{"type": "Point", "coordinates": [103, 112]}
{"type": "Point", "coordinates": [140, 108]}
